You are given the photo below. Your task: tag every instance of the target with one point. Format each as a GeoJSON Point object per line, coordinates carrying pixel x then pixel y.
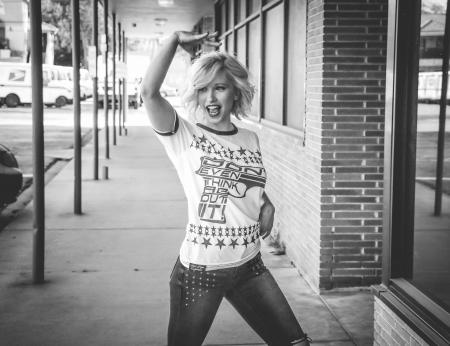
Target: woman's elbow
{"type": "Point", "coordinates": [148, 93]}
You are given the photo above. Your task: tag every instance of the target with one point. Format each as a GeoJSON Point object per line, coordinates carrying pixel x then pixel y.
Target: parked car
{"type": "Point", "coordinates": [15, 86]}
{"type": "Point", "coordinates": [86, 83]}
{"type": "Point", "coordinates": [11, 177]}
{"type": "Point", "coordinates": [133, 92]}
{"type": "Point", "coordinates": [167, 90]}
{"type": "Point", "coordinates": [62, 76]}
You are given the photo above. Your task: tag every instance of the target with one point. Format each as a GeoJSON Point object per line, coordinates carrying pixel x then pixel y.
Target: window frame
{"type": "Point", "coordinates": [423, 315]}
{"type": "Point", "coordinates": [248, 17]}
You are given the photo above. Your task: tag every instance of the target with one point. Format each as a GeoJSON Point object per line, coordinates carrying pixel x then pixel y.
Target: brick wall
{"type": "Point", "coordinates": [328, 193]}
{"type": "Point", "coordinates": [352, 126]}
{"type": "Point", "coordinates": [389, 329]}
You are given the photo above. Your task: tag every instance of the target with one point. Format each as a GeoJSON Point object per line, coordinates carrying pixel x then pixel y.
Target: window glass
{"type": "Point", "coordinates": [241, 53]}
{"type": "Point", "coordinates": [241, 12]}
{"type": "Point", "coordinates": [223, 18]}
{"type": "Point", "coordinates": [273, 66]}
{"type": "Point", "coordinates": [229, 44]}
{"type": "Point", "coordinates": [254, 59]}
{"type": "Point", "coordinates": [230, 10]}
{"type": "Point", "coordinates": [296, 67]}
{"type": "Point", "coordinates": [254, 6]}
{"type": "Point", "coordinates": [45, 78]}
{"type": "Point", "coordinates": [431, 269]}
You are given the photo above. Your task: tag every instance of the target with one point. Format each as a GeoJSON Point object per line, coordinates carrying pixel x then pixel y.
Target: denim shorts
{"type": "Point", "coordinates": [195, 296]}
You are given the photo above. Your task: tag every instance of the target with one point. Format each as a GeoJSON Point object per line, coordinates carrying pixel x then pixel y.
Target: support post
{"type": "Point", "coordinates": [120, 105]}
{"type": "Point", "coordinates": [95, 89]}
{"type": "Point", "coordinates": [120, 81]}
{"type": "Point", "coordinates": [38, 142]}
{"type": "Point", "coordinates": [125, 91]}
{"type": "Point", "coordinates": [114, 80]}
{"type": "Point", "coordinates": [76, 104]}
{"type": "Point", "coordinates": [442, 114]}
{"type": "Point", "coordinates": [105, 96]}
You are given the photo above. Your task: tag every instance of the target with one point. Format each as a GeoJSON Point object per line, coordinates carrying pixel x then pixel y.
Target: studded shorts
{"type": "Point", "coordinates": [195, 296]}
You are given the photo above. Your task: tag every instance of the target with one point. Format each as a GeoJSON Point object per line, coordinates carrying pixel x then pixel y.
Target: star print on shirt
{"type": "Point", "coordinates": [242, 151]}
{"type": "Point", "coordinates": [234, 243]}
{"type": "Point", "coordinates": [220, 243]}
{"type": "Point", "coordinates": [214, 149]}
{"type": "Point", "coordinates": [206, 242]}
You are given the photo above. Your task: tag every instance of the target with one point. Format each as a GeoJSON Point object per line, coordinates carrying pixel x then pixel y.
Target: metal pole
{"type": "Point", "coordinates": [105, 97]}
{"type": "Point", "coordinates": [120, 80]}
{"type": "Point", "coordinates": [95, 89]}
{"type": "Point", "coordinates": [442, 111]}
{"type": "Point", "coordinates": [76, 103]}
{"type": "Point", "coordinates": [125, 91]}
{"type": "Point", "coordinates": [114, 81]}
{"type": "Point", "coordinates": [38, 142]}
{"type": "Point", "coordinates": [120, 105]}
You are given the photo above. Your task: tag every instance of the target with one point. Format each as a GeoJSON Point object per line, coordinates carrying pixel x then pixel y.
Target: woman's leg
{"type": "Point", "coordinates": [194, 301]}
{"type": "Point", "coordinates": [259, 300]}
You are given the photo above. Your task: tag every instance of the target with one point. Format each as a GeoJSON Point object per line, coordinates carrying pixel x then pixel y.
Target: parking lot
{"type": "Point", "coordinates": [16, 132]}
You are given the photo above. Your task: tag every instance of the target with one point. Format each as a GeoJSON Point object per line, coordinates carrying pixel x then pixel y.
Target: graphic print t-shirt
{"type": "Point", "coordinates": [223, 178]}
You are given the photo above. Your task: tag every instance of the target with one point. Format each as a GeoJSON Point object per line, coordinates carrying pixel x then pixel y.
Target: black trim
{"type": "Point", "coordinates": [427, 328]}
{"type": "Point", "coordinates": [170, 133]}
{"type": "Point", "coordinates": [217, 132]}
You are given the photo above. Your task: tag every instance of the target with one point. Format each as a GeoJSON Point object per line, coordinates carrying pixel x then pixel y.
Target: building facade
{"type": "Point", "coordinates": [352, 156]}
{"type": "Point", "coordinates": [319, 70]}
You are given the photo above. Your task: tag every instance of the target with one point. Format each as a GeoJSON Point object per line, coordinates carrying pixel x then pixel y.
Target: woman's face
{"type": "Point", "coordinates": [216, 100]}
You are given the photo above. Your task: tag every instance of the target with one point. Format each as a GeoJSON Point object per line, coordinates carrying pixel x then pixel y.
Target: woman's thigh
{"type": "Point", "coordinates": [194, 301]}
{"type": "Point", "coordinates": [259, 300]}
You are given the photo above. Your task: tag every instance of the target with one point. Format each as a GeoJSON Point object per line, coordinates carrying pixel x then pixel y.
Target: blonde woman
{"type": "Point", "coordinates": [222, 173]}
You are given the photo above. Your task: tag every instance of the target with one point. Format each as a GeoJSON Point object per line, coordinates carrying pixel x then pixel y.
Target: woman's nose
{"type": "Point", "coordinates": [211, 96]}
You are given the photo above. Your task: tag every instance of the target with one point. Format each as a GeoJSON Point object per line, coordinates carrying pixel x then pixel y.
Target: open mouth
{"type": "Point", "coordinates": [213, 111]}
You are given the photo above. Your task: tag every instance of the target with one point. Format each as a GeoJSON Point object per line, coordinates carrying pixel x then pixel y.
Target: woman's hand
{"type": "Point", "coordinates": [266, 217]}
{"type": "Point", "coordinates": [188, 41]}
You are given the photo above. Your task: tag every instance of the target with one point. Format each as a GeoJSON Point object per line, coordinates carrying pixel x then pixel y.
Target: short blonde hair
{"type": "Point", "coordinates": [204, 70]}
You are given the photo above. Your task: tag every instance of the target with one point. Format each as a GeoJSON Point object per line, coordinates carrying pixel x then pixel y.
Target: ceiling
{"type": "Point", "coordinates": [137, 17]}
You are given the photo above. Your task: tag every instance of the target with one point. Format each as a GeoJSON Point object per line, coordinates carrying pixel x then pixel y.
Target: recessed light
{"type": "Point", "coordinates": [165, 3]}
{"type": "Point", "coordinates": [160, 21]}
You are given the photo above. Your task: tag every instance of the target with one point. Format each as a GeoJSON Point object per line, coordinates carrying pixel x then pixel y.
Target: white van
{"type": "Point", "coordinates": [15, 86]}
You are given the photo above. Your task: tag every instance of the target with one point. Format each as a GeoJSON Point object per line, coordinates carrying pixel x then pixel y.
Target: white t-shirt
{"type": "Point", "coordinates": [223, 178]}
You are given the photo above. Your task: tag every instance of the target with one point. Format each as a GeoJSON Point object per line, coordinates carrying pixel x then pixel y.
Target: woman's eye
{"type": "Point", "coordinates": [220, 88]}
{"type": "Point", "coordinates": [202, 90]}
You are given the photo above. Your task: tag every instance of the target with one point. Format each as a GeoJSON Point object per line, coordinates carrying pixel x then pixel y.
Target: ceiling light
{"type": "Point", "coordinates": [160, 21]}
{"type": "Point", "coordinates": [165, 3]}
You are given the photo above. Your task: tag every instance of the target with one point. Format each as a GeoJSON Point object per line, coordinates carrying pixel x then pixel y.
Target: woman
{"type": "Point", "coordinates": [221, 170]}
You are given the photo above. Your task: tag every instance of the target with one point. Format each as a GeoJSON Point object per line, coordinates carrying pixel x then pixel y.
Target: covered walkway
{"type": "Point", "coordinates": [106, 280]}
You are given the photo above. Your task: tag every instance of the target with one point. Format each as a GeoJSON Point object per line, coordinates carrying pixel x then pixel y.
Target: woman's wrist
{"type": "Point", "coordinates": [175, 37]}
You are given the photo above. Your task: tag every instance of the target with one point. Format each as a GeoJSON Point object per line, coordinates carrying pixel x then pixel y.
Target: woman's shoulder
{"type": "Point", "coordinates": [246, 132]}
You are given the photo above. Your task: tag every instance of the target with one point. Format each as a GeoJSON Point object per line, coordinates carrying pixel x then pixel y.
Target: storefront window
{"type": "Point", "coordinates": [431, 250]}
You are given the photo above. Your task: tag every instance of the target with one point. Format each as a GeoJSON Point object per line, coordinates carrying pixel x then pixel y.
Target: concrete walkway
{"type": "Point", "coordinates": [107, 270]}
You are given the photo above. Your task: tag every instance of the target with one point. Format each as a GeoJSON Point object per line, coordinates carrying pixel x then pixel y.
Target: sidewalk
{"type": "Point", "coordinates": [107, 270]}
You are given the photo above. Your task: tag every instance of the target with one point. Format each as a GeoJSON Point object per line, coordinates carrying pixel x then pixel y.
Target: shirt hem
{"type": "Point", "coordinates": [223, 265]}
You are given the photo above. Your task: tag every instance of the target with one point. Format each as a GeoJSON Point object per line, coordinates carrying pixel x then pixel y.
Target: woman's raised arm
{"type": "Point", "coordinates": [159, 110]}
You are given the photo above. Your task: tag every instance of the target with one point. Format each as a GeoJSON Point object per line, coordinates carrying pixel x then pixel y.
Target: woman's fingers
{"type": "Point", "coordinates": [212, 43]}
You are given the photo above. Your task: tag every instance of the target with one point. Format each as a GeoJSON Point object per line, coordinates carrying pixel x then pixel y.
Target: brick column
{"type": "Point", "coordinates": [345, 121]}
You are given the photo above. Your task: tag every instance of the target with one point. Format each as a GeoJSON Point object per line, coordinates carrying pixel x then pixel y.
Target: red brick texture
{"type": "Point", "coordinates": [328, 192]}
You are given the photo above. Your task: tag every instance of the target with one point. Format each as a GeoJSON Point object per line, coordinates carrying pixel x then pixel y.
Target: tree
{"type": "Point", "coordinates": [58, 13]}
